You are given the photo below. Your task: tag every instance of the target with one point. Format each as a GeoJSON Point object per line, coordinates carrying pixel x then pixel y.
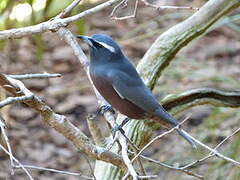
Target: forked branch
{"type": "Point", "coordinates": [60, 123]}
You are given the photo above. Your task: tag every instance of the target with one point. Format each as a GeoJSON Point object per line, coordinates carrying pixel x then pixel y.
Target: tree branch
{"type": "Point", "coordinates": [34, 76]}
{"type": "Point", "coordinates": [68, 9]}
{"type": "Point", "coordinates": [51, 25]}
{"type": "Point", "coordinates": [95, 131]}
{"type": "Point", "coordinates": [2, 131]}
{"type": "Point", "coordinates": [186, 171]}
{"type": "Point", "coordinates": [167, 7]}
{"type": "Point", "coordinates": [166, 46]}
{"type": "Point", "coordinates": [188, 99]}
{"type": "Point", "coordinates": [216, 153]}
{"type": "Point", "coordinates": [60, 123]}
{"type": "Point", "coordinates": [11, 100]}
{"type": "Point", "coordinates": [20, 165]}
{"type": "Point", "coordinates": [55, 171]}
{"type": "Point", "coordinates": [190, 165]}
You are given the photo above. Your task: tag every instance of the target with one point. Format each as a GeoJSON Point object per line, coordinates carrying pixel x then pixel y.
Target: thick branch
{"type": "Point", "coordinates": [180, 102]}
{"type": "Point", "coordinates": [161, 53]}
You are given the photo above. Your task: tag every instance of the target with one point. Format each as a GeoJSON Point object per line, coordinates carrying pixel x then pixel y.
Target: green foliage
{"type": "Point", "coordinates": [3, 5]}
{"type": "Point", "coordinates": [80, 26]}
{"type": "Point", "coordinates": [55, 6]}
{"type": "Point", "coordinates": [39, 47]}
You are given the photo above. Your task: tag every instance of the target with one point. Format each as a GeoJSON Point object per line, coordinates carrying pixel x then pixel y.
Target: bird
{"type": "Point", "coordinates": [117, 80]}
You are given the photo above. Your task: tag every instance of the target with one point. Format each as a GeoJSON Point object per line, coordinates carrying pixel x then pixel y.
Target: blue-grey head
{"type": "Point", "coordinates": [102, 47]}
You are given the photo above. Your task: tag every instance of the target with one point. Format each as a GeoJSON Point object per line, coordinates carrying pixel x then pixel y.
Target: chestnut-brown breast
{"type": "Point", "coordinates": [104, 86]}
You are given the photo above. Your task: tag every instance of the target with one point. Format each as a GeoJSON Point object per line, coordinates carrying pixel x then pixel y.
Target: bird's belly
{"type": "Point", "coordinates": [110, 95]}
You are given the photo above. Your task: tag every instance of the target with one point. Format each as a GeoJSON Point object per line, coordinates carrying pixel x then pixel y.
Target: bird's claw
{"type": "Point", "coordinates": [119, 127]}
{"type": "Point", "coordinates": [19, 91]}
{"type": "Point", "coordinates": [115, 129]}
{"type": "Point", "coordinates": [104, 109]}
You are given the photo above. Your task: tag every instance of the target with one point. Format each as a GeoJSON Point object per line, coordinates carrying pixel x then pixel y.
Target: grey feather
{"type": "Point", "coordinates": [133, 90]}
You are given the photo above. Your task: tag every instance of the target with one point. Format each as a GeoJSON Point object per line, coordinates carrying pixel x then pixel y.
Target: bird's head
{"type": "Point", "coordinates": [102, 47]}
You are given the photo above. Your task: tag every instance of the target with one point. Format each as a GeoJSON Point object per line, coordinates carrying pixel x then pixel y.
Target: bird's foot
{"type": "Point", "coordinates": [104, 109]}
{"type": "Point", "coordinates": [115, 129]}
{"type": "Point", "coordinates": [119, 127]}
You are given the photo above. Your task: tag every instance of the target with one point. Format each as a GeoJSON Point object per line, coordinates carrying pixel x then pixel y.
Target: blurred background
{"type": "Point", "coordinates": [212, 60]}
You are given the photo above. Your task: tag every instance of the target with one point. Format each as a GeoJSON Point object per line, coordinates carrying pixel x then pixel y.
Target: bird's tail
{"type": "Point", "coordinates": [164, 118]}
{"type": "Point", "coordinates": [185, 135]}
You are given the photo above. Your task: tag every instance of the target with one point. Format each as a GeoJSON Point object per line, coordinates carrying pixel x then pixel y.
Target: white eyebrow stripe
{"type": "Point", "coordinates": [90, 43]}
{"type": "Point", "coordinates": [121, 96]}
{"type": "Point", "coordinates": [110, 48]}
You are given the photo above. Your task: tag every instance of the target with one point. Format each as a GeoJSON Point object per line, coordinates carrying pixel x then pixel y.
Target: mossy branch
{"type": "Point", "coordinates": [178, 103]}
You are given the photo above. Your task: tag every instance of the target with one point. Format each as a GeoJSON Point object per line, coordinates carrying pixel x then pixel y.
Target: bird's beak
{"type": "Point", "coordinates": [86, 39]}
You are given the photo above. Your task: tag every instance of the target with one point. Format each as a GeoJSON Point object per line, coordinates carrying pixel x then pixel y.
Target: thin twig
{"type": "Point", "coordinates": [55, 171]}
{"type": "Point", "coordinates": [216, 153]}
{"type": "Point", "coordinates": [159, 137]}
{"type": "Point", "coordinates": [147, 177]}
{"type": "Point", "coordinates": [113, 141]}
{"type": "Point", "coordinates": [126, 176]}
{"type": "Point", "coordinates": [20, 165]}
{"type": "Point", "coordinates": [68, 9]}
{"type": "Point", "coordinates": [126, 159]}
{"type": "Point", "coordinates": [11, 100]}
{"type": "Point", "coordinates": [228, 137]}
{"type": "Point", "coordinates": [130, 16]}
{"type": "Point", "coordinates": [90, 166]}
{"type": "Point", "coordinates": [186, 171]}
{"type": "Point", "coordinates": [136, 150]}
{"type": "Point", "coordinates": [211, 154]}
{"type": "Point", "coordinates": [167, 7]}
{"type": "Point", "coordinates": [18, 86]}
{"type": "Point", "coordinates": [123, 2]}
{"type": "Point", "coordinates": [34, 76]}
{"type": "Point", "coordinates": [2, 130]}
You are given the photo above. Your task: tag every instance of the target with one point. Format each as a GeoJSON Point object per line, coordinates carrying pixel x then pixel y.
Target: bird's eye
{"type": "Point", "coordinates": [97, 45]}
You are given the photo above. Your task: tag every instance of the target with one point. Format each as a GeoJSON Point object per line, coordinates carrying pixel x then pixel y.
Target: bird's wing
{"type": "Point", "coordinates": [133, 89]}
{"type": "Point", "coordinates": [136, 92]}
